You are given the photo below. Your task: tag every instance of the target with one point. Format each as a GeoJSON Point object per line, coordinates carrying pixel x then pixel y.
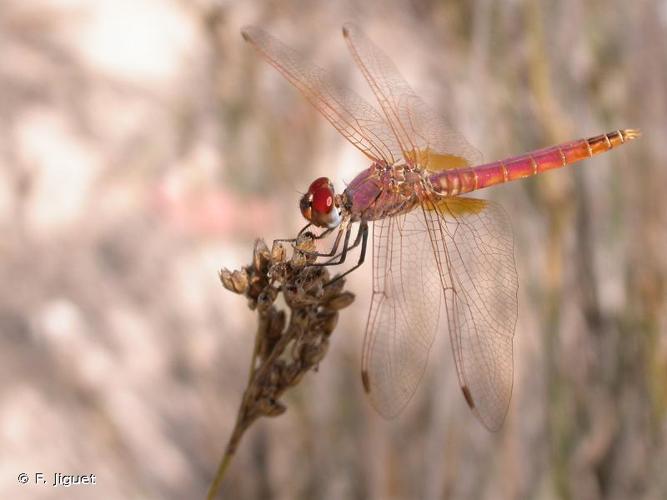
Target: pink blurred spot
{"type": "Point", "coordinates": [214, 212]}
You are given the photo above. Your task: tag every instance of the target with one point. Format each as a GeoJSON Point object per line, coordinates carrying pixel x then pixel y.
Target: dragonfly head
{"type": "Point", "coordinates": [320, 205]}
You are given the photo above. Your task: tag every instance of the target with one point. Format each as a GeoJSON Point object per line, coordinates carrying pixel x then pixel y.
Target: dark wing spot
{"type": "Point", "coordinates": [468, 396]}
{"type": "Point", "coordinates": [364, 380]}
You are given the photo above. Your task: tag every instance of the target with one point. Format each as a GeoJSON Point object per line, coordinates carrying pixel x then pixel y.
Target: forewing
{"type": "Point", "coordinates": [404, 314]}
{"type": "Point", "coordinates": [423, 136]}
{"type": "Point", "coordinates": [353, 117]}
{"type": "Point", "coordinates": [474, 251]}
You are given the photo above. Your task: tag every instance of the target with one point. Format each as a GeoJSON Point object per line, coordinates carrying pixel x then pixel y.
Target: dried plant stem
{"type": "Point", "coordinates": [284, 353]}
{"type": "Point", "coordinates": [214, 488]}
{"type": "Point", "coordinates": [237, 433]}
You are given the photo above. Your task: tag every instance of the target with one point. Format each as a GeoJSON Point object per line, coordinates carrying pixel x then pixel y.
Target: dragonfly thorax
{"type": "Point", "coordinates": [320, 205]}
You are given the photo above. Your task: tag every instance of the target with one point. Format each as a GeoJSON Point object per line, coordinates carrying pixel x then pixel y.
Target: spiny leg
{"type": "Point", "coordinates": [334, 248]}
{"type": "Point", "coordinates": [362, 236]}
{"type": "Point", "coordinates": [347, 247]}
{"type": "Point", "coordinates": [347, 230]}
{"type": "Point", "coordinates": [314, 236]}
{"type": "Point", "coordinates": [294, 241]}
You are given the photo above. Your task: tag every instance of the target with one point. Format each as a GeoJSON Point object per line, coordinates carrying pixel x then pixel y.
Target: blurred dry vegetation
{"type": "Point", "coordinates": [143, 146]}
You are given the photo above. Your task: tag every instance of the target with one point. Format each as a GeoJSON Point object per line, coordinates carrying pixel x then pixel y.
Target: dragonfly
{"type": "Point", "coordinates": [440, 260]}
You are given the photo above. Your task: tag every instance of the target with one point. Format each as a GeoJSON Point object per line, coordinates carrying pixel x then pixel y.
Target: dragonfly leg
{"type": "Point", "coordinates": [347, 247]}
{"type": "Point", "coordinates": [362, 236]}
{"type": "Point", "coordinates": [323, 233]}
{"type": "Point", "coordinates": [342, 229]}
{"type": "Point", "coordinates": [345, 229]}
{"type": "Point", "coordinates": [332, 253]}
{"type": "Point", "coordinates": [299, 234]}
{"type": "Point", "coordinates": [303, 229]}
{"type": "Point", "coordinates": [313, 236]}
{"type": "Point", "coordinates": [334, 247]}
{"type": "Point", "coordinates": [294, 241]}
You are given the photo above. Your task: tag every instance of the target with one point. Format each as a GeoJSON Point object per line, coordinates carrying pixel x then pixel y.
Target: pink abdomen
{"type": "Point", "coordinates": [457, 181]}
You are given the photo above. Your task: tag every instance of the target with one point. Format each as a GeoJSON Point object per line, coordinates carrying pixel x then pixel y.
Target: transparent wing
{"type": "Point", "coordinates": [353, 117]}
{"type": "Point", "coordinates": [404, 314]}
{"type": "Point", "coordinates": [463, 247]}
{"type": "Point", "coordinates": [474, 252]}
{"type": "Point", "coordinates": [423, 136]}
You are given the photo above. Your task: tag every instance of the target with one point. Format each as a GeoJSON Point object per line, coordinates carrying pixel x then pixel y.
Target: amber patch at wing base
{"type": "Point", "coordinates": [436, 162]}
{"type": "Point", "coordinates": [457, 206]}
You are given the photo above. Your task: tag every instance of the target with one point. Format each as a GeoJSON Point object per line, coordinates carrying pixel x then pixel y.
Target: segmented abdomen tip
{"type": "Point", "coordinates": [631, 133]}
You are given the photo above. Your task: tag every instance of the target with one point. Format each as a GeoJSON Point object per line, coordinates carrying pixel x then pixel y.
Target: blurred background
{"type": "Point", "coordinates": [144, 145]}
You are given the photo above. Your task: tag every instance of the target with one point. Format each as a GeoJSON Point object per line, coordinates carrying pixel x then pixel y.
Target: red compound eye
{"type": "Point", "coordinates": [320, 182]}
{"type": "Point", "coordinates": [322, 200]}
{"type": "Point", "coordinates": [323, 195]}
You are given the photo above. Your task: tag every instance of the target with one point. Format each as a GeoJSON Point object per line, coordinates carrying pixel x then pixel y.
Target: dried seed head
{"type": "Point", "coordinates": [275, 374]}
{"type": "Point", "coordinates": [240, 281]}
{"type": "Point", "coordinates": [287, 345]}
{"type": "Point", "coordinates": [298, 299]}
{"type": "Point", "coordinates": [261, 257]}
{"type": "Point", "coordinates": [310, 284]}
{"type": "Point", "coordinates": [226, 278]}
{"type": "Point", "coordinates": [305, 248]}
{"type": "Point", "coordinates": [335, 287]}
{"type": "Point", "coordinates": [266, 298]}
{"type": "Point", "coordinates": [278, 253]}
{"type": "Point", "coordinates": [258, 282]}
{"type": "Point", "coordinates": [312, 354]}
{"type": "Point", "coordinates": [278, 272]}
{"type": "Point", "coordinates": [270, 407]}
{"type": "Point", "coordinates": [318, 279]}
{"type": "Point", "coordinates": [276, 324]}
{"type": "Point", "coordinates": [292, 374]}
{"type": "Point", "coordinates": [296, 377]}
{"type": "Point", "coordinates": [326, 321]}
{"type": "Point", "coordinates": [278, 408]}
{"type": "Point", "coordinates": [312, 280]}
{"type": "Point", "coordinates": [305, 242]}
{"type": "Point", "coordinates": [252, 303]}
{"type": "Point", "coordinates": [298, 260]}
{"type": "Point", "coordinates": [316, 289]}
{"type": "Point", "coordinates": [236, 281]}
{"type": "Point", "coordinates": [340, 301]}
